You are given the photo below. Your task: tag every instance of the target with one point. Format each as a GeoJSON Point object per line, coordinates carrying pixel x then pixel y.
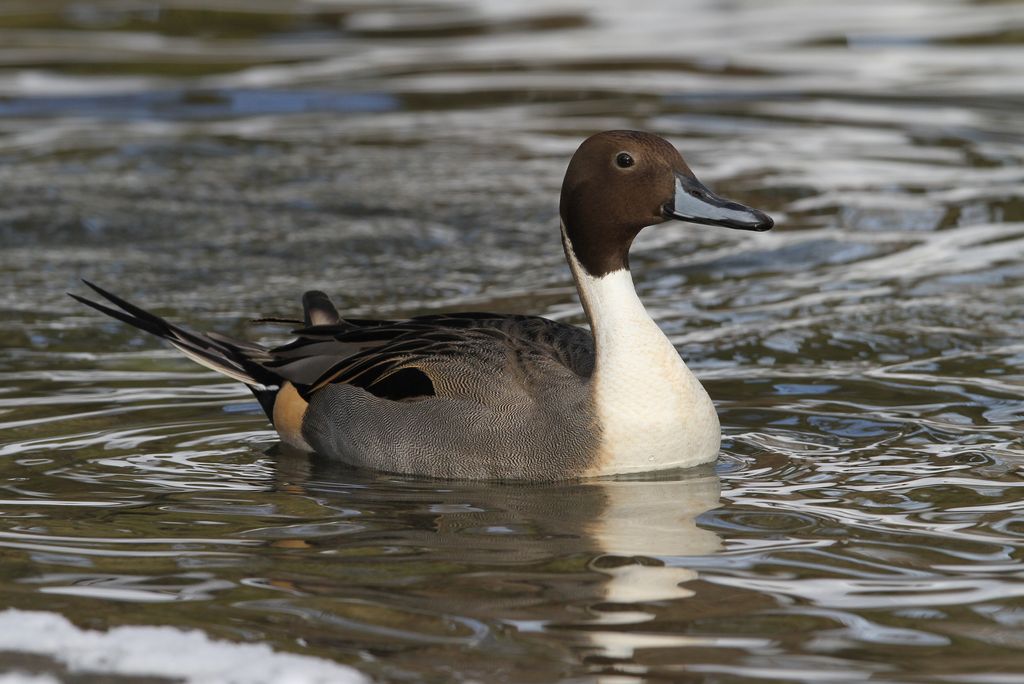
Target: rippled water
{"type": "Point", "coordinates": [215, 159]}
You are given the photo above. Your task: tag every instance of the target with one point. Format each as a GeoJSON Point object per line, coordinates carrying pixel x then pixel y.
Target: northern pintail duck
{"type": "Point", "coordinates": [493, 396]}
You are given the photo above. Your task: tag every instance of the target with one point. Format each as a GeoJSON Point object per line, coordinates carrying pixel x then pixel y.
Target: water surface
{"type": "Point", "coordinates": [215, 159]}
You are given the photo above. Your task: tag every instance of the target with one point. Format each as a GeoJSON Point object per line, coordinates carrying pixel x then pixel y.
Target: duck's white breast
{"type": "Point", "coordinates": [654, 413]}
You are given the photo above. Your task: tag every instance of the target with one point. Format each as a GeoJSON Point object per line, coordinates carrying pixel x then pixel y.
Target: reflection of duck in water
{"type": "Point", "coordinates": [570, 568]}
{"type": "Point", "coordinates": [490, 396]}
{"type": "Point", "coordinates": [647, 530]}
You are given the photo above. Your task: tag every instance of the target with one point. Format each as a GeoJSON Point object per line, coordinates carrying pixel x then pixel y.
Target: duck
{"type": "Point", "coordinates": [505, 397]}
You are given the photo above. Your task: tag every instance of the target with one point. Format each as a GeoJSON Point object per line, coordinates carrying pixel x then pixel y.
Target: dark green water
{"type": "Point", "coordinates": [213, 160]}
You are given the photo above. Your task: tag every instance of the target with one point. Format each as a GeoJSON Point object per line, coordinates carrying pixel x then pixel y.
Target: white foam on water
{"type": "Point", "coordinates": [188, 655]}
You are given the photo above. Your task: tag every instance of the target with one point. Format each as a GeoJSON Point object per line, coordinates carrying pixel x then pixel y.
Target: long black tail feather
{"type": "Point", "coordinates": [242, 361]}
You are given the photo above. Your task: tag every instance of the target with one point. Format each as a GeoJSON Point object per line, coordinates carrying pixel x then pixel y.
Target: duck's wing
{"type": "Point", "coordinates": [449, 354]}
{"type": "Point", "coordinates": [570, 345]}
{"type": "Point", "coordinates": [465, 354]}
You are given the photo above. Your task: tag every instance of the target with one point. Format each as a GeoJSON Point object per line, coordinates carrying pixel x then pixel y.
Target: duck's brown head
{"type": "Point", "coordinates": [618, 182]}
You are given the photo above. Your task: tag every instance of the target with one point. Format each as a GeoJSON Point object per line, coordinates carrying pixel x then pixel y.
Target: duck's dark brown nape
{"type": "Point", "coordinates": [619, 182]}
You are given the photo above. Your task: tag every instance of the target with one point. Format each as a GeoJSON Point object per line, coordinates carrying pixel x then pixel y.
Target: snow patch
{"type": "Point", "coordinates": [189, 655]}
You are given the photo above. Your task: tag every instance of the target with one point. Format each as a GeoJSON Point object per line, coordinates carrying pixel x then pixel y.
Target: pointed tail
{"type": "Point", "coordinates": [242, 361]}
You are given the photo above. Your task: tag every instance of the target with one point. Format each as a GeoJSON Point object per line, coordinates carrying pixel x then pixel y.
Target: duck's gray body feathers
{"type": "Point", "coordinates": [474, 396]}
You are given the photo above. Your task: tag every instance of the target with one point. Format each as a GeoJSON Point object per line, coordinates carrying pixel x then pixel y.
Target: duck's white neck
{"type": "Point", "coordinates": [653, 413]}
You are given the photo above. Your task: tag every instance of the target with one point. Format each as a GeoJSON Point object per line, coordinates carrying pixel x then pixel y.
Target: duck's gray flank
{"type": "Point", "coordinates": [510, 401]}
{"type": "Point", "coordinates": [490, 396]}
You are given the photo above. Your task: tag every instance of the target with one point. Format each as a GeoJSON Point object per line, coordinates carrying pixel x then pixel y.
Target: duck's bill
{"type": "Point", "coordinates": [694, 203]}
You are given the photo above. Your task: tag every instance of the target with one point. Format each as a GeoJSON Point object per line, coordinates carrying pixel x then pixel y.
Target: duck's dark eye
{"type": "Point", "coordinates": [624, 160]}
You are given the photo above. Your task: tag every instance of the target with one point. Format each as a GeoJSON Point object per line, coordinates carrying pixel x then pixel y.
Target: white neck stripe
{"type": "Point", "coordinates": [653, 412]}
